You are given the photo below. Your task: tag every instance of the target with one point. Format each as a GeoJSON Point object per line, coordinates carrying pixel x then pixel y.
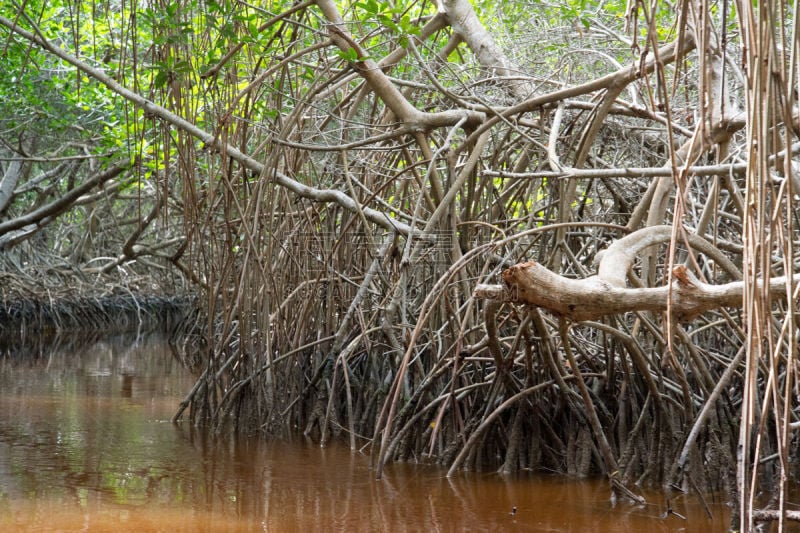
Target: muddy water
{"type": "Point", "coordinates": [86, 445]}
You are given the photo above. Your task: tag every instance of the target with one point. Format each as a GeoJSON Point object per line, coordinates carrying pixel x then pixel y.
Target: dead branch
{"type": "Point", "coordinates": [531, 283]}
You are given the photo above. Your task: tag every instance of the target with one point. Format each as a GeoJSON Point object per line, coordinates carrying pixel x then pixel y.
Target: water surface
{"type": "Point", "coordinates": [86, 444]}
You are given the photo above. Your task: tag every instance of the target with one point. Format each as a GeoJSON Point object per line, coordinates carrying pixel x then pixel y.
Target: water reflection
{"type": "Point", "coordinates": [86, 445]}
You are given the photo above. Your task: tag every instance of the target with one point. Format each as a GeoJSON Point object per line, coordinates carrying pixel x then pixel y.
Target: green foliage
{"type": "Point", "coordinates": [349, 55]}
{"type": "Point", "coordinates": [40, 96]}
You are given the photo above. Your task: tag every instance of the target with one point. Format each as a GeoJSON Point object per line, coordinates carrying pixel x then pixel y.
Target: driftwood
{"type": "Point", "coordinates": [607, 292]}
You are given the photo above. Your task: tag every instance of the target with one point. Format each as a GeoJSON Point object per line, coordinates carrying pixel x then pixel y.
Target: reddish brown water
{"type": "Point", "coordinates": [86, 445]}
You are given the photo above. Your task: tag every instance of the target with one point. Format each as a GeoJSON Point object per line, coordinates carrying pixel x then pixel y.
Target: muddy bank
{"type": "Point", "coordinates": [25, 317]}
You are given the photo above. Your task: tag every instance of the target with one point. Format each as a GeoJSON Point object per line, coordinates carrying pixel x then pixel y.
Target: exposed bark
{"type": "Point", "coordinates": [462, 18]}
{"type": "Point", "coordinates": [591, 298]}
{"type": "Point", "coordinates": [9, 182]}
{"type": "Point", "coordinates": [381, 84]}
{"type": "Point", "coordinates": [606, 293]}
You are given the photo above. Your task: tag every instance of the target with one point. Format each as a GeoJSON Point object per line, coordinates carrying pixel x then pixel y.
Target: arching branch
{"type": "Point", "coordinates": [531, 283]}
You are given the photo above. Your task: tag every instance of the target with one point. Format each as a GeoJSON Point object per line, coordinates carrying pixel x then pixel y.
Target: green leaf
{"type": "Point", "coordinates": [350, 55]}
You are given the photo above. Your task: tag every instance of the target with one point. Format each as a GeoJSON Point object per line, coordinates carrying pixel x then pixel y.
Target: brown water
{"type": "Point", "coordinates": [86, 445]}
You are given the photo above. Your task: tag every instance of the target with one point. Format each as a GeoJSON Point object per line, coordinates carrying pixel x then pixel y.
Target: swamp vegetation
{"type": "Point", "coordinates": [519, 236]}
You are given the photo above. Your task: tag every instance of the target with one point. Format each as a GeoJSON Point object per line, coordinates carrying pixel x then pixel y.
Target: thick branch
{"type": "Point", "coordinates": [63, 203]}
{"type": "Point", "coordinates": [623, 76]}
{"type": "Point", "coordinates": [465, 24]}
{"type": "Point", "coordinates": [591, 298]}
{"type": "Point", "coordinates": [9, 182]}
{"type": "Point", "coordinates": [617, 259]}
{"type": "Point", "coordinates": [383, 86]}
{"type": "Point", "coordinates": [605, 294]}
